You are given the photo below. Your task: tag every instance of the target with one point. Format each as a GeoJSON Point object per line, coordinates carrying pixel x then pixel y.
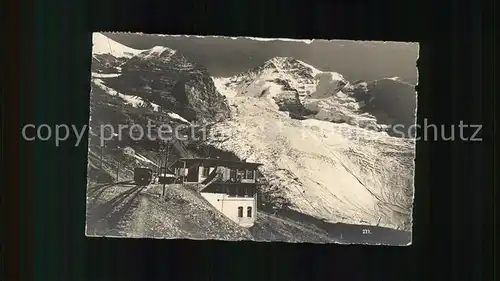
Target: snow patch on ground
{"type": "Point", "coordinates": [105, 75]}
{"type": "Point", "coordinates": [178, 117]}
{"type": "Point", "coordinates": [135, 101]}
{"type": "Point", "coordinates": [144, 159]}
{"type": "Point", "coordinates": [131, 152]}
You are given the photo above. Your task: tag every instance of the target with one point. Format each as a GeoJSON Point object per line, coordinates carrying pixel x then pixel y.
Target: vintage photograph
{"type": "Point", "coordinates": [253, 139]}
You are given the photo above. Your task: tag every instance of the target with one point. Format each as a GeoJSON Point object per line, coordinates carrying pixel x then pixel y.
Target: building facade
{"type": "Point", "coordinates": [229, 186]}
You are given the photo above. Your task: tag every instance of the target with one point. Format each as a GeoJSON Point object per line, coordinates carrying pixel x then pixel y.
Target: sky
{"type": "Point", "coordinates": [223, 56]}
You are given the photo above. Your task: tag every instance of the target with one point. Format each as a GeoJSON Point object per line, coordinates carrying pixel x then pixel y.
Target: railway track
{"type": "Point", "coordinates": [109, 205]}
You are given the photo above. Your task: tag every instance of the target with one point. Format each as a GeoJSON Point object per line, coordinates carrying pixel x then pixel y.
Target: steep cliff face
{"type": "Point", "coordinates": [166, 78]}
{"type": "Point", "coordinates": [199, 99]}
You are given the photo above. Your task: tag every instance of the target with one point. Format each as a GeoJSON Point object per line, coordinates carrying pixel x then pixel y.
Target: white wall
{"type": "Point", "coordinates": [229, 207]}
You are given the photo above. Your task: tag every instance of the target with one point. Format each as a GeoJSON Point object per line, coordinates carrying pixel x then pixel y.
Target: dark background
{"type": "Point", "coordinates": [48, 63]}
{"type": "Point", "coordinates": [226, 57]}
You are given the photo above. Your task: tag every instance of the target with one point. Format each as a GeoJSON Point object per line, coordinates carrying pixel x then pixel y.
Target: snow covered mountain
{"type": "Point", "coordinates": [103, 45]}
{"type": "Point", "coordinates": [306, 92]}
{"type": "Point", "coordinates": [159, 77]}
{"type": "Point", "coordinates": [108, 55]}
{"type": "Point", "coordinates": [301, 90]}
{"type": "Point", "coordinates": [320, 137]}
{"type": "Point", "coordinates": [322, 152]}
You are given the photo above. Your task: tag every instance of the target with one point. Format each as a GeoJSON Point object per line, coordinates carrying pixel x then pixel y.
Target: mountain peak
{"type": "Point", "coordinates": [284, 75]}
{"type": "Point", "coordinates": [288, 65]}
{"type": "Point", "coordinates": [157, 51]}
{"type": "Point", "coordinates": [102, 44]}
{"type": "Point", "coordinates": [287, 62]}
{"type": "Point", "coordinates": [283, 60]}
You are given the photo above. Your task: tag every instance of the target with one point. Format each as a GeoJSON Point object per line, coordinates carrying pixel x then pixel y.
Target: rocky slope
{"type": "Point", "coordinates": [333, 171]}
{"type": "Point", "coordinates": [125, 210]}
{"type": "Point", "coordinates": [331, 158]}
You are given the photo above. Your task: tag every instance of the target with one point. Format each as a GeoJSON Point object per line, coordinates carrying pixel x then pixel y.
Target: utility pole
{"type": "Point", "coordinates": [167, 151]}
{"type": "Point", "coordinates": [160, 158]}
{"type": "Point", "coordinates": [102, 148]}
{"type": "Point", "coordinates": [117, 170]}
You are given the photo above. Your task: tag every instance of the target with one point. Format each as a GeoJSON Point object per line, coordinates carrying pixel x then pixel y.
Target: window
{"type": "Point", "coordinates": [233, 175]}
{"type": "Point", "coordinates": [249, 212]}
{"type": "Point", "coordinates": [240, 175]}
{"type": "Point", "coordinates": [240, 212]}
{"type": "Point", "coordinates": [250, 174]}
{"type": "Point", "coordinates": [206, 171]}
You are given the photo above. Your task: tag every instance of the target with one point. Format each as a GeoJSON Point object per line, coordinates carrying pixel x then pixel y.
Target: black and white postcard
{"type": "Point", "coordinates": [271, 140]}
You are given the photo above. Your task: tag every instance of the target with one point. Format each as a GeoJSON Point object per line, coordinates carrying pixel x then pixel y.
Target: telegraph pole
{"type": "Point", "coordinates": [166, 155]}
{"type": "Point", "coordinates": [160, 163]}
{"type": "Point", "coordinates": [117, 170]}
{"type": "Point", "coordinates": [167, 151]}
{"type": "Point", "coordinates": [102, 148]}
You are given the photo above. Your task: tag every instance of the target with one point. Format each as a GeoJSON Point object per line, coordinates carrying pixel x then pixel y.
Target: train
{"type": "Point", "coordinates": [143, 176]}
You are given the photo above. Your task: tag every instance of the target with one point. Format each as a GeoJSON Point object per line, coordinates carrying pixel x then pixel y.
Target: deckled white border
{"type": "Point", "coordinates": [306, 41]}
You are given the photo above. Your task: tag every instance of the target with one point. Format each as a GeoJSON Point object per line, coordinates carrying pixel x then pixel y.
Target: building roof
{"type": "Point", "coordinates": [217, 162]}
